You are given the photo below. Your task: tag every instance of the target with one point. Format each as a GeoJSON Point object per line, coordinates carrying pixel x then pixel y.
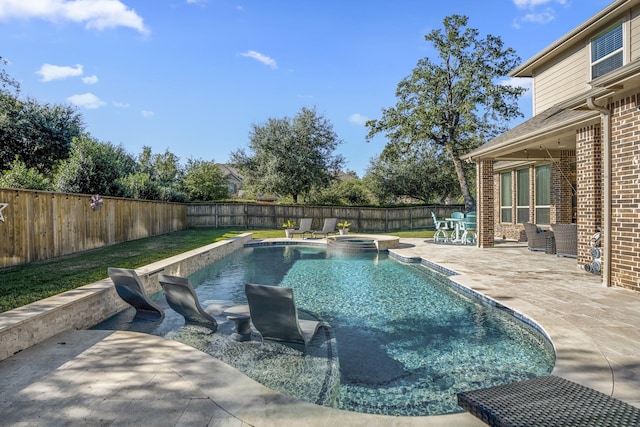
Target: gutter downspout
{"type": "Point", "coordinates": [605, 115]}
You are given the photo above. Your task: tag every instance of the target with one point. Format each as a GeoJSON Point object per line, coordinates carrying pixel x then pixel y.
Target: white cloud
{"type": "Point", "coordinates": [358, 119]}
{"type": "Point", "coordinates": [55, 72]}
{"type": "Point", "coordinates": [86, 100]}
{"type": "Point", "coordinates": [530, 4]}
{"type": "Point", "coordinates": [539, 18]}
{"type": "Point", "coordinates": [147, 114]}
{"type": "Point", "coordinates": [90, 80]}
{"type": "Point", "coordinates": [94, 14]}
{"type": "Point", "coordinates": [120, 104]}
{"type": "Point", "coordinates": [261, 58]}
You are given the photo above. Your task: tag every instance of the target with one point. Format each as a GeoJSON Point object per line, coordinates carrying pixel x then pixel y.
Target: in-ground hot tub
{"type": "Point", "coordinates": [378, 242]}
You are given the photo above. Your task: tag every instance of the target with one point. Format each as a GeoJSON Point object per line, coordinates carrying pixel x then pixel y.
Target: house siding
{"type": "Point", "coordinates": [634, 37]}
{"type": "Point", "coordinates": [561, 80]}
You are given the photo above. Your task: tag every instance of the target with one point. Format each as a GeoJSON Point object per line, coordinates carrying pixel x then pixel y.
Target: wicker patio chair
{"type": "Point", "coordinates": [536, 238]}
{"type": "Point", "coordinates": [566, 239]}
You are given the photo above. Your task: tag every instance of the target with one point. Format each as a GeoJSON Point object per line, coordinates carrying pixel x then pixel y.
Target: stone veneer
{"type": "Point", "coordinates": [88, 305]}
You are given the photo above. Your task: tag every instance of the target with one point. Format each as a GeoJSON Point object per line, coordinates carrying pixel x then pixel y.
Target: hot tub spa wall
{"type": "Point", "coordinates": [88, 305]}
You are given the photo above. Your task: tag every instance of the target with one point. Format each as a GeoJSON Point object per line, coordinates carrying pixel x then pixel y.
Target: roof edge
{"type": "Point", "coordinates": [525, 69]}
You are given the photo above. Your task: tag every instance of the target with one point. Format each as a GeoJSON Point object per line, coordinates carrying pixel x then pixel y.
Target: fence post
{"type": "Point", "coordinates": [386, 220]}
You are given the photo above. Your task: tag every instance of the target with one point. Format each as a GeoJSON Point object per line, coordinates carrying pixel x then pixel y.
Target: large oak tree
{"type": "Point", "coordinates": [290, 156]}
{"type": "Point", "coordinates": [456, 102]}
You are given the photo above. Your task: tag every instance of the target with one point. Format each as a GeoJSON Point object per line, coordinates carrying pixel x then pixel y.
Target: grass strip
{"type": "Point", "coordinates": [27, 283]}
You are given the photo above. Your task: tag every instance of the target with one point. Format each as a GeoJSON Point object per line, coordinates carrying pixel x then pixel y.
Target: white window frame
{"type": "Point", "coordinates": [520, 207]}
{"type": "Point", "coordinates": [509, 207]}
{"type": "Point", "coordinates": [545, 207]}
{"type": "Point", "coordinates": [621, 50]}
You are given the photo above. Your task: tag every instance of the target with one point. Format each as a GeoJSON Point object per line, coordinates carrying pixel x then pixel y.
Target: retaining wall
{"type": "Point", "coordinates": [91, 304]}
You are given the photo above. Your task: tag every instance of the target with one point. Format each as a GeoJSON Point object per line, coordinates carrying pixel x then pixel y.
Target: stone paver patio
{"type": "Point", "coordinates": [125, 378]}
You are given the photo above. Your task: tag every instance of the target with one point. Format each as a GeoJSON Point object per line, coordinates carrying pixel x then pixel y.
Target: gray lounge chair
{"type": "Point", "coordinates": [274, 314]}
{"type": "Point", "coordinates": [182, 298]}
{"type": "Point", "coordinates": [536, 238]}
{"type": "Point", "coordinates": [131, 290]}
{"type": "Point", "coordinates": [305, 227]}
{"type": "Point", "coordinates": [329, 227]}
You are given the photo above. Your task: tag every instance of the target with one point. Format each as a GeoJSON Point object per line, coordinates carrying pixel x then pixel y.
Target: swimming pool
{"type": "Point", "coordinates": [402, 340]}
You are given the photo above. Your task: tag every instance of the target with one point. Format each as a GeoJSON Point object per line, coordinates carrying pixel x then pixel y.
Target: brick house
{"type": "Point", "coordinates": [577, 160]}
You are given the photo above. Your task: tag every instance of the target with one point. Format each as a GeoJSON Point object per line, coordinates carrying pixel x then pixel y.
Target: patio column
{"type": "Point", "coordinates": [562, 191]}
{"type": "Point", "coordinates": [486, 203]}
{"type": "Point", "coordinates": [589, 187]}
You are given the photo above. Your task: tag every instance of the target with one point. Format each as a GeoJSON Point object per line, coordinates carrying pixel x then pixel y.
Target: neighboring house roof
{"type": "Point", "coordinates": [229, 171]}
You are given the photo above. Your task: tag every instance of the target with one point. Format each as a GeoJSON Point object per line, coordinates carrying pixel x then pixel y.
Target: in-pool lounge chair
{"type": "Point", "coordinates": [328, 228]}
{"type": "Point", "coordinates": [131, 290]}
{"type": "Point", "coordinates": [274, 314]}
{"type": "Point", "coordinates": [182, 298]}
{"type": "Point", "coordinates": [305, 227]}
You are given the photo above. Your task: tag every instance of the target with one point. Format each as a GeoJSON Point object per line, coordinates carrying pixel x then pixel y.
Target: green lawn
{"type": "Point", "coordinates": [27, 283]}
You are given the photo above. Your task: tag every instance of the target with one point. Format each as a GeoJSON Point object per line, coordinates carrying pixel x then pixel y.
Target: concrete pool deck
{"type": "Point", "coordinates": [82, 377]}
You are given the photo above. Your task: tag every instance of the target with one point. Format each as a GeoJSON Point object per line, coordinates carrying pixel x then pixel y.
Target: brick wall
{"type": "Point", "coordinates": [562, 194]}
{"type": "Point", "coordinates": [487, 203]}
{"type": "Point", "coordinates": [625, 193]}
{"type": "Point", "coordinates": [589, 187]}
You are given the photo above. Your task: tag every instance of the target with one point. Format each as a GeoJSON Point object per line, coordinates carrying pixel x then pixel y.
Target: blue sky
{"type": "Point", "coordinates": [192, 76]}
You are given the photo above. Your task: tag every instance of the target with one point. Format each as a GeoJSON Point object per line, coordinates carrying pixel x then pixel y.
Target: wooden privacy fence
{"type": "Point", "coordinates": [255, 216]}
{"type": "Point", "coordinates": [40, 225]}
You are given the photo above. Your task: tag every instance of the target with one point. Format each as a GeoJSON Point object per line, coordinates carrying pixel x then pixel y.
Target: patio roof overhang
{"type": "Point", "coordinates": [543, 136]}
{"type": "Point", "coordinates": [539, 138]}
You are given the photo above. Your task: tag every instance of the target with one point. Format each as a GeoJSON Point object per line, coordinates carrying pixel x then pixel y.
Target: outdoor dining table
{"type": "Point", "coordinates": [456, 234]}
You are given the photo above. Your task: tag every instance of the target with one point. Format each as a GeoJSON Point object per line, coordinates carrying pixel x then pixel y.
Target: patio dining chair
{"type": "Point", "coordinates": [469, 229]}
{"type": "Point", "coordinates": [441, 229]}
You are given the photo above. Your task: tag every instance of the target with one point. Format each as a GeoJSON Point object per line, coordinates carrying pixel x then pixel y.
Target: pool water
{"type": "Point", "coordinates": [401, 340]}
{"type": "Point", "coordinates": [407, 342]}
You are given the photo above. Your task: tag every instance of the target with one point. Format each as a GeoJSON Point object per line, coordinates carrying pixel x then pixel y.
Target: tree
{"type": "Point", "coordinates": [38, 134]}
{"type": "Point", "coordinates": [290, 156]}
{"type": "Point", "coordinates": [157, 177]}
{"type": "Point", "coordinates": [425, 174]}
{"type": "Point", "coordinates": [203, 181]}
{"type": "Point", "coordinates": [6, 81]}
{"type": "Point", "coordinates": [455, 103]}
{"type": "Point", "coordinates": [348, 192]}
{"type": "Point", "coordinates": [94, 167]}
{"type": "Point", "coordinates": [20, 176]}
